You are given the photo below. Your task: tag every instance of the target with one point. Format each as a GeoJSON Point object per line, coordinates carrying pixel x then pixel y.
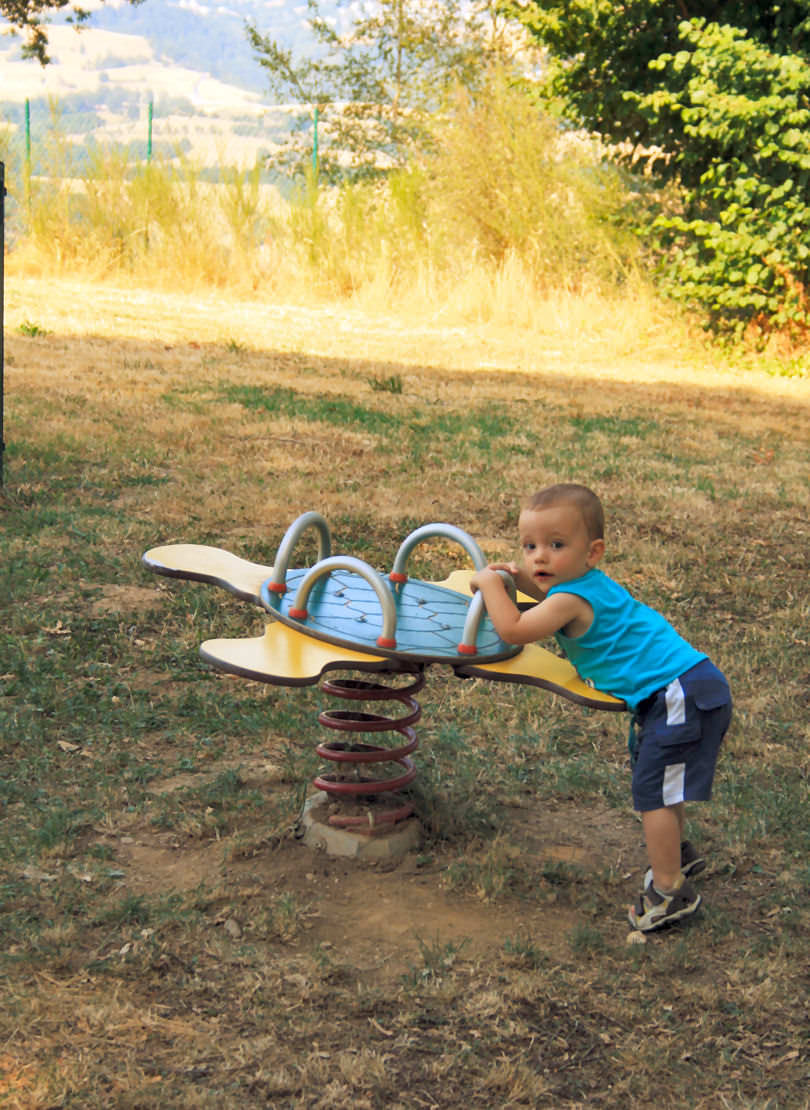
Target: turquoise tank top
{"type": "Point", "coordinates": [630, 650]}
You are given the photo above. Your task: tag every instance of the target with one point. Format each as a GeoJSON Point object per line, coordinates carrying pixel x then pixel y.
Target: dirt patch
{"type": "Point", "coordinates": [118, 599]}
{"type": "Point", "coordinates": [380, 912]}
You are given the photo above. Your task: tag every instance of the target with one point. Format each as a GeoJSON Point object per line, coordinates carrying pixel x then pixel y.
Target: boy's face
{"type": "Point", "coordinates": [556, 547]}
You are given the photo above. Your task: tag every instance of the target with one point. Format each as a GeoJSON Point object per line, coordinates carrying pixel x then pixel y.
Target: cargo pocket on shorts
{"type": "Point", "coordinates": [709, 693]}
{"type": "Point", "coordinates": [685, 709]}
{"type": "Point", "coordinates": [713, 700]}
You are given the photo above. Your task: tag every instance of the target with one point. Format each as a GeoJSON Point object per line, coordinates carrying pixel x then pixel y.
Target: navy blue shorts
{"type": "Point", "coordinates": [679, 732]}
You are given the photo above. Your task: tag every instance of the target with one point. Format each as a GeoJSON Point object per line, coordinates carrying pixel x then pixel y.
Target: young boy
{"type": "Point", "coordinates": [680, 700]}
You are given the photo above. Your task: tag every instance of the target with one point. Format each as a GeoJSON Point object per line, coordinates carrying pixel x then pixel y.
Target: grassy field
{"type": "Point", "coordinates": [167, 939]}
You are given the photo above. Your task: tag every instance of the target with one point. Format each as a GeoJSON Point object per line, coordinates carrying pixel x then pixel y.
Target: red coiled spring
{"type": "Point", "coordinates": [354, 758]}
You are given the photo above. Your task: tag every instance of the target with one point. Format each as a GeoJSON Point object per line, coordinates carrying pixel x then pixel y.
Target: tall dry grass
{"type": "Point", "coordinates": [500, 223]}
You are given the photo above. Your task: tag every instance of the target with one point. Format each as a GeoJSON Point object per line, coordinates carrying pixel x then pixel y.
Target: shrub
{"type": "Point", "coordinates": [738, 248]}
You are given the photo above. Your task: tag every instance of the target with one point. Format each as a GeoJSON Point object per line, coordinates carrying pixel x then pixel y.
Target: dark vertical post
{"type": "Point", "coordinates": [2, 303]}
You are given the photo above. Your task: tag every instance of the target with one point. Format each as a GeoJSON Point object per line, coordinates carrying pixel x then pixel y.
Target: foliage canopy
{"type": "Point", "coordinates": [377, 84]}
{"type": "Point", "coordinates": [714, 97]}
{"type": "Point", "coordinates": [600, 51]}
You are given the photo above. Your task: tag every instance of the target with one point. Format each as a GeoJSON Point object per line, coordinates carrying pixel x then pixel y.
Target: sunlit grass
{"type": "Point", "coordinates": [167, 938]}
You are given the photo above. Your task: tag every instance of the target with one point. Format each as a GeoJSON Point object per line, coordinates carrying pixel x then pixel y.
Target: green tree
{"type": "Point", "coordinates": [718, 105]}
{"type": "Point", "coordinates": [600, 51]}
{"type": "Point", "coordinates": [29, 17]}
{"type": "Point", "coordinates": [739, 121]}
{"type": "Point", "coordinates": [377, 84]}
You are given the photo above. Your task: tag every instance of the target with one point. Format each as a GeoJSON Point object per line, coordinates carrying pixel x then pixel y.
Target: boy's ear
{"type": "Point", "coordinates": [595, 552]}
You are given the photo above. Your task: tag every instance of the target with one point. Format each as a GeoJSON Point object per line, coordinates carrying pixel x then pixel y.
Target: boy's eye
{"type": "Point", "coordinates": [556, 545]}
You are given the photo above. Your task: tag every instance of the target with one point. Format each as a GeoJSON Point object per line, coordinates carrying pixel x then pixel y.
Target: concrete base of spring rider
{"type": "Point", "coordinates": [388, 842]}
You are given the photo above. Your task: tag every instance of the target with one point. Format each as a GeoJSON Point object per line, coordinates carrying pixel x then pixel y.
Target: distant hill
{"type": "Point", "coordinates": [204, 37]}
{"type": "Point", "coordinates": [191, 61]}
{"type": "Point", "coordinates": [209, 37]}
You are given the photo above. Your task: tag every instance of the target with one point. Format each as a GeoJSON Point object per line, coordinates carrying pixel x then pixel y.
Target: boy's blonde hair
{"type": "Point", "coordinates": [582, 498]}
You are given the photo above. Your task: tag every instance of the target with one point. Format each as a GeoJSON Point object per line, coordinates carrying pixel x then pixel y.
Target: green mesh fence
{"type": "Point", "coordinates": [70, 137]}
{"type": "Point", "coordinates": [31, 131]}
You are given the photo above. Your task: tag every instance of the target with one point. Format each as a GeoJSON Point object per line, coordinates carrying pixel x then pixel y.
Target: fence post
{"type": "Point", "coordinates": [315, 141]}
{"type": "Point", "coordinates": [28, 157]}
{"type": "Point", "coordinates": [2, 305]}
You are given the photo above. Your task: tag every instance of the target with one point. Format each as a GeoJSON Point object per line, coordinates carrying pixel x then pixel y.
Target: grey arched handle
{"type": "Point", "coordinates": [298, 610]}
{"type": "Point", "coordinates": [278, 578]}
{"type": "Point", "coordinates": [427, 531]}
{"type": "Point", "coordinates": [475, 613]}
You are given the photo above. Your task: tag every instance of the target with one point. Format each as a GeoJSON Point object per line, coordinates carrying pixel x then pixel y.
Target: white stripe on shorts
{"type": "Point", "coordinates": [676, 703]}
{"type": "Point", "coordinates": [674, 782]}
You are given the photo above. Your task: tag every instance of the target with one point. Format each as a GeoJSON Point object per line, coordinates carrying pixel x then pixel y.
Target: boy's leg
{"type": "Point", "coordinates": [663, 834]}
{"type": "Point", "coordinates": [667, 895]}
{"type": "Point", "coordinates": [674, 760]}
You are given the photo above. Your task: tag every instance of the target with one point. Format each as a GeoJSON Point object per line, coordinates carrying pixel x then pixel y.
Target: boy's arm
{"type": "Point", "coordinates": [537, 623]}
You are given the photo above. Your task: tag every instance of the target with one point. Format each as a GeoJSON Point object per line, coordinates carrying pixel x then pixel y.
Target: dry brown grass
{"type": "Point", "coordinates": [293, 981]}
{"type": "Point", "coordinates": [635, 339]}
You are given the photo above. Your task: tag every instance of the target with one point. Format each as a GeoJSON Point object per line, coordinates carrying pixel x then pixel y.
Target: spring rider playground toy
{"type": "Point", "coordinates": [342, 614]}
